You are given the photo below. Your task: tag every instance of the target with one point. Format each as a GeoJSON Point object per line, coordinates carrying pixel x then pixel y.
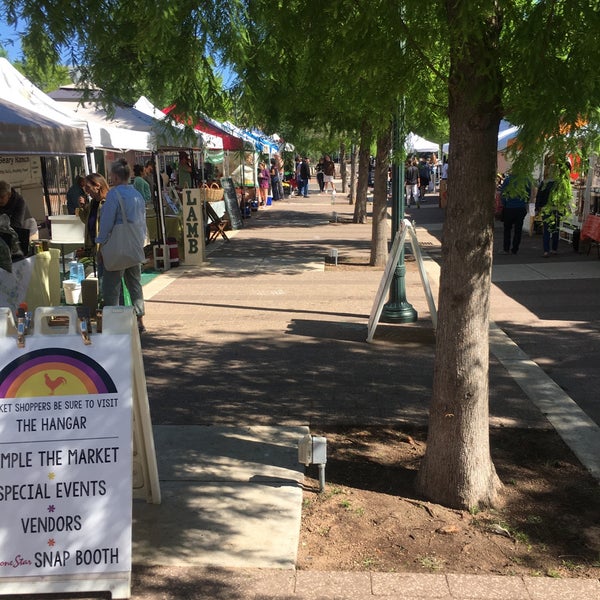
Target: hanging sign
{"type": "Point", "coordinates": [65, 456]}
{"type": "Point", "coordinates": [193, 226]}
{"type": "Point", "coordinates": [20, 170]}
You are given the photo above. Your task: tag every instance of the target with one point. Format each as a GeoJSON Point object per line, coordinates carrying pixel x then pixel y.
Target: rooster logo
{"type": "Point", "coordinates": [53, 384]}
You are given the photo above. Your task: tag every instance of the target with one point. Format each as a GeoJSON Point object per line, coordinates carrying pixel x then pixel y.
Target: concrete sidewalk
{"type": "Point", "coordinates": [244, 355]}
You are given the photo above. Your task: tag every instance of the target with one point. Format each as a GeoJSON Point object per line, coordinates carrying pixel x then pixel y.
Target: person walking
{"type": "Point", "coordinates": [551, 216]}
{"type": "Point", "coordinates": [515, 194]}
{"type": "Point", "coordinates": [275, 181]}
{"type": "Point", "coordinates": [319, 172]}
{"type": "Point", "coordinates": [411, 183]}
{"type": "Point", "coordinates": [135, 213]}
{"type": "Point", "coordinates": [424, 175]}
{"type": "Point", "coordinates": [304, 176]}
{"type": "Point", "coordinates": [264, 182]}
{"type": "Point", "coordinates": [328, 174]}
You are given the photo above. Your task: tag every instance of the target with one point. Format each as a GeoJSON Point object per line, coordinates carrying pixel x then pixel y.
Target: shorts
{"type": "Point", "coordinates": [328, 178]}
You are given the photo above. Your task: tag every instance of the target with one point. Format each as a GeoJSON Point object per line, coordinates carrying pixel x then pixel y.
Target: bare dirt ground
{"type": "Point", "coordinates": [370, 518]}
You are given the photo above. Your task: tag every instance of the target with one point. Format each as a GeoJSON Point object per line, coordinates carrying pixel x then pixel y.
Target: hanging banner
{"type": "Point", "coordinates": [65, 456]}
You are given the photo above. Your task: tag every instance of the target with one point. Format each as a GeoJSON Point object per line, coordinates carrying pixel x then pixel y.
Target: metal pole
{"type": "Point", "coordinates": [397, 309]}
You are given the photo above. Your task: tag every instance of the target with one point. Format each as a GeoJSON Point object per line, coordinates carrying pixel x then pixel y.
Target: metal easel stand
{"type": "Point", "coordinates": [397, 246]}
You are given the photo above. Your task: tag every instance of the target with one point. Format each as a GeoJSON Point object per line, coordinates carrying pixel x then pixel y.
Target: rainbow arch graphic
{"type": "Point", "coordinates": [54, 372]}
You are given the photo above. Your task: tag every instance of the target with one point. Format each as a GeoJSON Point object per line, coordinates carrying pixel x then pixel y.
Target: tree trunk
{"type": "Point", "coordinates": [379, 224]}
{"type": "Point", "coordinates": [343, 173]}
{"type": "Point", "coordinates": [457, 469]}
{"type": "Point", "coordinates": [364, 153]}
{"type": "Point", "coordinates": [353, 176]}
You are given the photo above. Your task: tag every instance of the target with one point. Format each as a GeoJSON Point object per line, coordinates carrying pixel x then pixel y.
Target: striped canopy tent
{"type": "Point", "coordinates": [213, 127]}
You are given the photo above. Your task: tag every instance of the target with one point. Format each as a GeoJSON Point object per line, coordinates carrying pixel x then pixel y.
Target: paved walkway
{"type": "Point", "coordinates": [244, 354]}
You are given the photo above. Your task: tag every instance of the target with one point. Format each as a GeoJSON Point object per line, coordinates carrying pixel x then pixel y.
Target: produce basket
{"type": "Point", "coordinates": [214, 193]}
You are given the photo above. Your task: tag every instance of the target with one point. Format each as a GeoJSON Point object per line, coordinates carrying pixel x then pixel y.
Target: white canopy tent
{"type": "Point", "coordinates": [24, 132]}
{"type": "Point", "coordinates": [127, 129]}
{"type": "Point", "coordinates": [507, 134]}
{"type": "Point", "coordinates": [18, 90]}
{"type": "Point", "coordinates": [416, 143]}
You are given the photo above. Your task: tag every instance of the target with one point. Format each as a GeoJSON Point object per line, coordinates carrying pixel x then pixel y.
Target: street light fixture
{"type": "Point", "coordinates": [397, 309]}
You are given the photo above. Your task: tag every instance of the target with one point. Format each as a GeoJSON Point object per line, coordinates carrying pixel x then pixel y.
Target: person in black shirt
{"type": "Point", "coordinates": [13, 205]}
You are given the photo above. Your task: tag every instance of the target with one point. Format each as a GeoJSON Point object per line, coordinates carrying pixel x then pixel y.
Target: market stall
{"type": "Point", "coordinates": [128, 131]}
{"type": "Point", "coordinates": [24, 137]}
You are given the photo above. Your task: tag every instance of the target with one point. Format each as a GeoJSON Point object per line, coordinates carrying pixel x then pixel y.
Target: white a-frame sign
{"type": "Point", "coordinates": [69, 406]}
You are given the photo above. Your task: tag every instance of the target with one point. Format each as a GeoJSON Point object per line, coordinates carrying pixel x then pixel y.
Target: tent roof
{"type": "Point", "coordinates": [25, 132]}
{"type": "Point", "coordinates": [211, 142]}
{"type": "Point", "coordinates": [507, 137]}
{"type": "Point", "coordinates": [128, 129]}
{"type": "Point", "coordinates": [230, 140]}
{"type": "Point", "coordinates": [17, 89]}
{"type": "Point", "coordinates": [416, 143]}
{"type": "Point", "coordinates": [212, 126]}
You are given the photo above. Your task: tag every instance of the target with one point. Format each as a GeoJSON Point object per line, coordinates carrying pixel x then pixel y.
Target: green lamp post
{"type": "Point", "coordinates": [397, 309]}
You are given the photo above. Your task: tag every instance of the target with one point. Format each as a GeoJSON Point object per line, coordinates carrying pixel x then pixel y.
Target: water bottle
{"type": "Point", "coordinates": [76, 271]}
{"type": "Point", "coordinates": [73, 276]}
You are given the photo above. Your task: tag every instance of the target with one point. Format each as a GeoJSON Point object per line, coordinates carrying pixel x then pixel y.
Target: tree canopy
{"type": "Point", "coordinates": [346, 64]}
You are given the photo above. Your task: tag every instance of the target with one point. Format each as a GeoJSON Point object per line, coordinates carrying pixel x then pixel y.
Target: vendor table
{"type": "Point", "coordinates": [34, 280]}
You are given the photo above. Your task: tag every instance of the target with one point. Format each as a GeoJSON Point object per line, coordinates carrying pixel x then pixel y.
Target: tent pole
{"type": "Point", "coordinates": [160, 212]}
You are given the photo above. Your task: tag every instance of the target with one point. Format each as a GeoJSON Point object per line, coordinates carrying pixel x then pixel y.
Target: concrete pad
{"type": "Point", "coordinates": [231, 497]}
{"type": "Point", "coordinates": [340, 584]}
{"type": "Point", "coordinates": [545, 588]}
{"type": "Point", "coordinates": [405, 586]}
{"type": "Point", "coordinates": [489, 587]}
{"type": "Point", "coordinates": [516, 272]}
{"type": "Point", "coordinates": [219, 525]}
{"type": "Point", "coordinates": [234, 454]}
{"type": "Point", "coordinates": [546, 270]}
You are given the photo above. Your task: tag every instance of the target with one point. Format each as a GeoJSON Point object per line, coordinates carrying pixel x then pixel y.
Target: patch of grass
{"type": "Point", "coordinates": [369, 562]}
{"type": "Point", "coordinates": [553, 573]}
{"type": "Point", "coordinates": [433, 563]}
{"type": "Point", "coordinates": [534, 520]}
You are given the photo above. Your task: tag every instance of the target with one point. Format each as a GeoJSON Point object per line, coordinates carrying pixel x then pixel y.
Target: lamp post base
{"type": "Point", "coordinates": [398, 312]}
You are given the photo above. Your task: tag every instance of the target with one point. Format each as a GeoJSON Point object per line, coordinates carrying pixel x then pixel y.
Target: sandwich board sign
{"type": "Point", "coordinates": [66, 456]}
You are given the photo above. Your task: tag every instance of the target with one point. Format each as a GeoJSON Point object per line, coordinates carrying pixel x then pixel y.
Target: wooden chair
{"type": "Point", "coordinates": [216, 225]}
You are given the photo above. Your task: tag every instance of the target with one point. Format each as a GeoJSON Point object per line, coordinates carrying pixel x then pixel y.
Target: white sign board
{"type": "Point", "coordinates": [65, 456]}
{"type": "Point", "coordinates": [20, 170]}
